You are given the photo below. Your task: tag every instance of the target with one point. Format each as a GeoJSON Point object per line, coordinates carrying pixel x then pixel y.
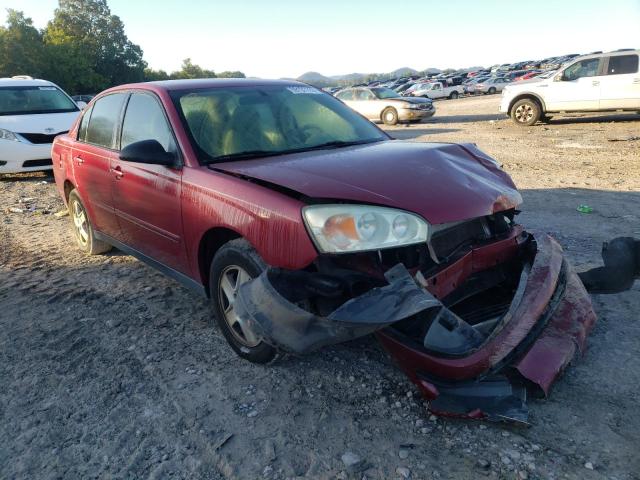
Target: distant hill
{"type": "Point", "coordinates": [403, 72]}
{"type": "Point", "coordinates": [315, 78]}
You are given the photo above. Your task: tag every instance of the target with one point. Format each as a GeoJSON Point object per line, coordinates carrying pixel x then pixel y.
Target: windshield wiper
{"type": "Point", "coordinates": [247, 155]}
{"type": "Point", "coordinates": [271, 153]}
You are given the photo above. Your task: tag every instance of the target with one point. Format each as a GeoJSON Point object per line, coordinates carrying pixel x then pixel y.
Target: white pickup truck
{"type": "Point", "coordinates": [434, 90]}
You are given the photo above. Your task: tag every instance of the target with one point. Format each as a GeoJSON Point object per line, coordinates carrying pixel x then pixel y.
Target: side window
{"type": "Point", "coordinates": [104, 118]}
{"type": "Point", "coordinates": [145, 120]}
{"type": "Point", "coordinates": [581, 69]}
{"type": "Point", "coordinates": [365, 95]}
{"type": "Point", "coordinates": [84, 123]}
{"type": "Point", "coordinates": [621, 64]}
{"type": "Point", "coordinates": [345, 95]}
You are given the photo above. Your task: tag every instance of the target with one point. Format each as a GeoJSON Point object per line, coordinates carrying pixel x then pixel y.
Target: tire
{"type": "Point", "coordinates": [453, 95]}
{"type": "Point", "coordinates": [233, 264]}
{"type": "Point", "coordinates": [491, 91]}
{"type": "Point", "coordinates": [390, 116]}
{"type": "Point", "coordinates": [82, 229]}
{"type": "Point", "coordinates": [526, 112]}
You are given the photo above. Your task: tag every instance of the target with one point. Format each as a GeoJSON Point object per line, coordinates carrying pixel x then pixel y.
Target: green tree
{"type": "Point", "coordinates": [191, 70]}
{"type": "Point", "coordinates": [151, 75]}
{"type": "Point", "coordinates": [21, 50]}
{"type": "Point", "coordinates": [87, 31]}
{"type": "Point", "coordinates": [234, 74]}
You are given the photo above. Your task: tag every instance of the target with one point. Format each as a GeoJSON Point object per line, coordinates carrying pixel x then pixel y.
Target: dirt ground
{"type": "Point", "coordinates": [110, 370]}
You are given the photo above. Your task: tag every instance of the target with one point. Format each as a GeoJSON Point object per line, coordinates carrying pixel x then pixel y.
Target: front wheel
{"type": "Point", "coordinates": [234, 264]}
{"type": "Point", "coordinates": [526, 112]}
{"type": "Point", "coordinates": [82, 228]}
{"type": "Point", "coordinates": [390, 116]}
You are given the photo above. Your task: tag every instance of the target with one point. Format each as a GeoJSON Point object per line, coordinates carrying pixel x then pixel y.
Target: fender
{"type": "Point", "coordinates": [526, 94]}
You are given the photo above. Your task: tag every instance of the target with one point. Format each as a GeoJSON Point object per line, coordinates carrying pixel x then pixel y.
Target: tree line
{"type": "Point", "coordinates": [83, 49]}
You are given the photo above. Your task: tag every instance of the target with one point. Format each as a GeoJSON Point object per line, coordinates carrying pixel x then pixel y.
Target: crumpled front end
{"type": "Point", "coordinates": [475, 333]}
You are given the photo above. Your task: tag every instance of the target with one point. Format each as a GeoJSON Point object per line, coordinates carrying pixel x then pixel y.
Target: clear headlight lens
{"type": "Point", "coordinates": [7, 135]}
{"type": "Point", "coordinates": [355, 228]}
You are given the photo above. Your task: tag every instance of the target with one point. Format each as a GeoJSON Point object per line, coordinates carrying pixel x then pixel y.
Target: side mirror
{"type": "Point", "coordinates": [148, 151]}
{"type": "Point", "coordinates": [559, 77]}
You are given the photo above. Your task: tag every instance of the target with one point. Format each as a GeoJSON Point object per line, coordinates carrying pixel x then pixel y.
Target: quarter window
{"type": "Point", "coordinates": [145, 120]}
{"type": "Point", "coordinates": [621, 64]}
{"type": "Point", "coordinates": [104, 118]}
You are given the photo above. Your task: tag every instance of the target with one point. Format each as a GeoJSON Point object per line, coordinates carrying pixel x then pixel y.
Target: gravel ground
{"type": "Point", "coordinates": [110, 370]}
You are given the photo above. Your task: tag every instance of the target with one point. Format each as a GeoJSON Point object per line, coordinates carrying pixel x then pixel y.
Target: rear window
{"type": "Point", "coordinates": [621, 64]}
{"type": "Point", "coordinates": [34, 100]}
{"type": "Point", "coordinates": [104, 117]}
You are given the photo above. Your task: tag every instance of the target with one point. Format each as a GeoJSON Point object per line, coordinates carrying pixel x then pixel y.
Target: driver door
{"type": "Point", "coordinates": [576, 88]}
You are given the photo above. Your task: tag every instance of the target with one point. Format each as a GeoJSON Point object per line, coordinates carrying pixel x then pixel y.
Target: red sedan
{"type": "Point", "coordinates": [307, 225]}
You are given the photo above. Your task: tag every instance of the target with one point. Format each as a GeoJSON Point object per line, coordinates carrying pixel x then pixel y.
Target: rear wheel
{"type": "Point", "coordinates": [82, 228]}
{"type": "Point", "coordinates": [492, 90]}
{"type": "Point", "coordinates": [390, 116]}
{"type": "Point", "coordinates": [526, 112]}
{"type": "Point", "coordinates": [453, 95]}
{"type": "Point", "coordinates": [233, 265]}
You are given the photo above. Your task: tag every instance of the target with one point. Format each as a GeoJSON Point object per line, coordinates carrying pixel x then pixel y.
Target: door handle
{"type": "Point", "coordinates": [78, 160]}
{"type": "Point", "coordinates": [636, 80]}
{"type": "Point", "coordinates": [117, 171]}
{"type": "Point", "coordinates": [595, 83]}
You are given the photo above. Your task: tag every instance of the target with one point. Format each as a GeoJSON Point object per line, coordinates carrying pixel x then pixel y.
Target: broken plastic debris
{"type": "Point", "coordinates": [15, 210]}
{"type": "Point", "coordinates": [61, 213]}
{"type": "Point", "coordinates": [584, 209]}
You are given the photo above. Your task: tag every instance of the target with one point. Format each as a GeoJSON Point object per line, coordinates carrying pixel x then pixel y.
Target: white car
{"type": "Point", "coordinates": [591, 83]}
{"type": "Point", "coordinates": [32, 113]}
{"type": "Point", "coordinates": [435, 90]}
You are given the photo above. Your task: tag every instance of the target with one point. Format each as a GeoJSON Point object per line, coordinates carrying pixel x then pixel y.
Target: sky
{"type": "Point", "coordinates": [285, 38]}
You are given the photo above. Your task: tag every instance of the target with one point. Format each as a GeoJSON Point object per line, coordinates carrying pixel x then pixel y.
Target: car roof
{"type": "Point", "coordinates": [615, 53]}
{"type": "Point", "coordinates": [171, 85]}
{"type": "Point", "coordinates": [24, 82]}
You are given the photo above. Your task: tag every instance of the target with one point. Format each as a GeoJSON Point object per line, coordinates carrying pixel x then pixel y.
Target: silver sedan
{"type": "Point", "coordinates": [491, 85]}
{"type": "Point", "coordinates": [383, 104]}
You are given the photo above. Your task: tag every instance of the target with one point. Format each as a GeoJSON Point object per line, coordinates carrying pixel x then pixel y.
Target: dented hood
{"type": "Point", "coordinates": [441, 182]}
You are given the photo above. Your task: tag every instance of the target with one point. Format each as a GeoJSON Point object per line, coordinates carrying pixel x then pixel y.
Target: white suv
{"type": "Point", "coordinates": [590, 83]}
{"type": "Point", "coordinates": [32, 113]}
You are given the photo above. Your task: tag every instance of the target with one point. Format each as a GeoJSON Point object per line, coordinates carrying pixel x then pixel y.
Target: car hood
{"type": "Point", "coordinates": [413, 100]}
{"type": "Point", "coordinates": [441, 182]}
{"type": "Point", "coordinates": [39, 123]}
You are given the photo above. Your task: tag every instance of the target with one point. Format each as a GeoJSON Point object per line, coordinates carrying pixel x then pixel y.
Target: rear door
{"type": "Point", "coordinates": [92, 154]}
{"type": "Point", "coordinates": [575, 88]}
{"type": "Point", "coordinates": [147, 197]}
{"type": "Point", "coordinates": [620, 86]}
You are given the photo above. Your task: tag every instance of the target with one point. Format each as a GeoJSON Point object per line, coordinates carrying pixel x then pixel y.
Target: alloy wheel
{"type": "Point", "coordinates": [231, 279]}
{"type": "Point", "coordinates": [524, 113]}
{"type": "Point", "coordinates": [80, 223]}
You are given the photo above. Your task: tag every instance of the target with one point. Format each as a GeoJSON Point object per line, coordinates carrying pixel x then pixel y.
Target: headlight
{"type": "Point", "coordinates": [356, 228]}
{"type": "Point", "coordinates": [412, 106]}
{"type": "Point", "coordinates": [7, 135]}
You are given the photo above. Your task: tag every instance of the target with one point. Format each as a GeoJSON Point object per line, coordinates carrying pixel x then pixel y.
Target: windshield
{"type": "Point", "coordinates": [383, 93]}
{"type": "Point", "coordinates": [246, 122]}
{"type": "Point", "coordinates": [34, 100]}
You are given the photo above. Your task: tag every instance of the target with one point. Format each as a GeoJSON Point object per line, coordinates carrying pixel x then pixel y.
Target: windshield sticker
{"type": "Point", "coordinates": [298, 90]}
{"type": "Point", "coordinates": [46, 88]}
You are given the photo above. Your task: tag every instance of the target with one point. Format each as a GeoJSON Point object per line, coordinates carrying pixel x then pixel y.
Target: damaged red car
{"type": "Point", "coordinates": [306, 225]}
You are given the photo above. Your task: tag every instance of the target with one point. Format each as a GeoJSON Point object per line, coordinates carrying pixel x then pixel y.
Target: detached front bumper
{"type": "Point", "coordinates": [547, 322]}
